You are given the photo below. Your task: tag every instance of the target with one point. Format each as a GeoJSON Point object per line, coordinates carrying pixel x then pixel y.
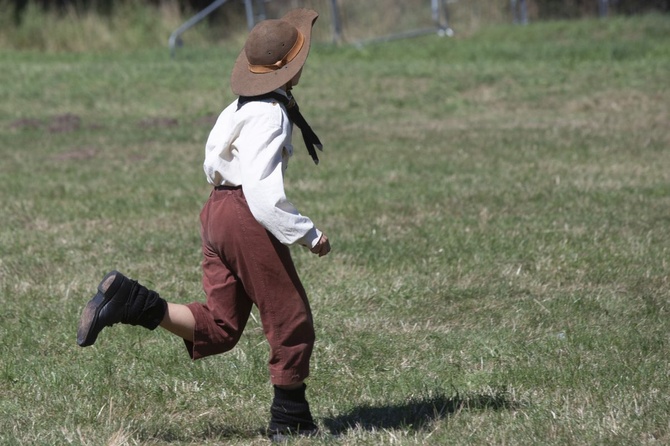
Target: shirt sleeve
{"type": "Point", "coordinates": [263, 148]}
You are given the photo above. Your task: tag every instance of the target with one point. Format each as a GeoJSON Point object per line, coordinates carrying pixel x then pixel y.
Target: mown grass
{"type": "Point", "coordinates": [498, 208]}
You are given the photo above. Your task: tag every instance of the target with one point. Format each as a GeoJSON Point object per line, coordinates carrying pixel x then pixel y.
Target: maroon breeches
{"type": "Point", "coordinates": [243, 265]}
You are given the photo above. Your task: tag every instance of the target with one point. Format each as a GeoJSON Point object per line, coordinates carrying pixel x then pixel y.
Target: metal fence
{"type": "Point", "coordinates": [361, 21]}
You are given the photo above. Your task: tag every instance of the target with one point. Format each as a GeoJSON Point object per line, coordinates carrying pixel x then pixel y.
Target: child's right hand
{"type": "Point", "coordinates": [322, 247]}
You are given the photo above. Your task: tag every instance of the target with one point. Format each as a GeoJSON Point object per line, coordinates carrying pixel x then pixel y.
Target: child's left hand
{"type": "Point", "coordinates": [322, 247]}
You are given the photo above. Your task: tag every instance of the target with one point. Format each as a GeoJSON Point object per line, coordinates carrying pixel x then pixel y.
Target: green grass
{"type": "Point", "coordinates": [498, 210]}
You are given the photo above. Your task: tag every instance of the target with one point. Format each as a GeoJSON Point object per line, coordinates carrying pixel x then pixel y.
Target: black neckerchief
{"type": "Point", "coordinates": [308, 135]}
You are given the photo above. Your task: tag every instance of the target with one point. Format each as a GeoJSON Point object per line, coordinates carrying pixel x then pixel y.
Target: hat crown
{"type": "Point", "coordinates": [270, 41]}
{"type": "Point", "coordinates": [273, 54]}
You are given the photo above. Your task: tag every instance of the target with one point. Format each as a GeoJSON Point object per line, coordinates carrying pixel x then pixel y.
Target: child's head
{"type": "Point", "coordinates": [273, 54]}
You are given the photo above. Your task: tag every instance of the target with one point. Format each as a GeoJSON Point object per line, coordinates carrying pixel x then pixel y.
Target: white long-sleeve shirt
{"type": "Point", "coordinates": [250, 147]}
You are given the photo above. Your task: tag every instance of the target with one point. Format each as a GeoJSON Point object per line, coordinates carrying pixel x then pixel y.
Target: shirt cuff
{"type": "Point", "coordinates": [311, 238]}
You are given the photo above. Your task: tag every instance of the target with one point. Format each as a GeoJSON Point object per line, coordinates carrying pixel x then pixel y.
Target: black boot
{"type": "Point", "coordinates": [290, 415]}
{"type": "Point", "coordinates": [119, 299]}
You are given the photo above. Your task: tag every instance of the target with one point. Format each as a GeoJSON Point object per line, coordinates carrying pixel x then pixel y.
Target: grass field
{"type": "Point", "coordinates": [498, 206]}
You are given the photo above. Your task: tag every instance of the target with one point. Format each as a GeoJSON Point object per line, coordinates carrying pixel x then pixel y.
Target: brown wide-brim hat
{"type": "Point", "coordinates": [273, 54]}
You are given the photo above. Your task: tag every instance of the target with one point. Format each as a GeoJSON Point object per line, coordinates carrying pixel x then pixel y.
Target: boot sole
{"type": "Point", "coordinates": [86, 334]}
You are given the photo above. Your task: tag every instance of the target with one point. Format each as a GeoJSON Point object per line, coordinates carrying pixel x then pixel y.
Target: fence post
{"type": "Point", "coordinates": [260, 4]}
{"type": "Point", "coordinates": [520, 11]}
{"type": "Point", "coordinates": [603, 8]}
{"type": "Point", "coordinates": [440, 11]}
{"type": "Point", "coordinates": [337, 23]}
{"type": "Point", "coordinates": [249, 8]}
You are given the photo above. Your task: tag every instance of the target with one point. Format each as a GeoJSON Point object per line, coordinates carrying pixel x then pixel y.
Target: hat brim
{"type": "Point", "coordinates": [245, 83]}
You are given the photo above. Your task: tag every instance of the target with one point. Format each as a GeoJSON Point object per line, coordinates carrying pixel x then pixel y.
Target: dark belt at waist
{"type": "Point", "coordinates": [227, 187]}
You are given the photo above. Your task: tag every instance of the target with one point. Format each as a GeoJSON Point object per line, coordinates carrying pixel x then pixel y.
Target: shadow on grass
{"type": "Point", "coordinates": [416, 414]}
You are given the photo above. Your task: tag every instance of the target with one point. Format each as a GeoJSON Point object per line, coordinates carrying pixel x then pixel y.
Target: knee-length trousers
{"type": "Point", "coordinates": [243, 265]}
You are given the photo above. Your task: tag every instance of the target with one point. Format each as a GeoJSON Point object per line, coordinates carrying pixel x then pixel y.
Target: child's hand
{"type": "Point", "coordinates": [322, 247]}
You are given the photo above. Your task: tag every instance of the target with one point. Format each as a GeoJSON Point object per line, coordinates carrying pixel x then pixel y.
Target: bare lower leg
{"type": "Point", "coordinates": [179, 320]}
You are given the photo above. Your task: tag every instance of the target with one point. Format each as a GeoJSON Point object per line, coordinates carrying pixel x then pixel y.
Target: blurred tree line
{"type": "Point", "coordinates": [546, 9]}
{"type": "Point", "coordinates": [102, 7]}
{"type": "Point", "coordinates": [579, 8]}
